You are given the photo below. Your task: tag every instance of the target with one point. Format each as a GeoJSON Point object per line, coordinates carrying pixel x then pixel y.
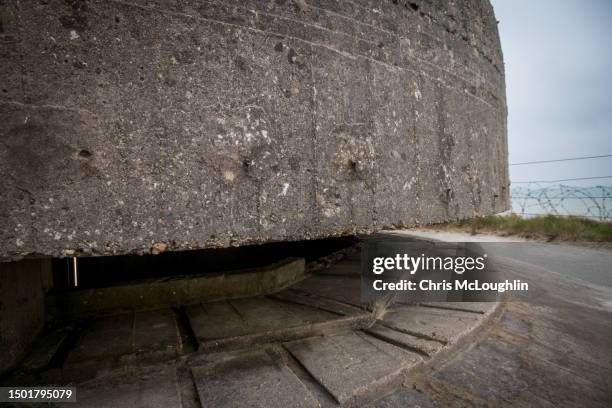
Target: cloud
{"type": "Point", "coordinates": [558, 63]}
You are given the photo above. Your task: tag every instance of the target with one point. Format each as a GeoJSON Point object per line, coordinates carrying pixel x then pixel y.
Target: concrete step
{"type": "Point", "coordinates": [417, 344]}
{"type": "Point", "coordinates": [350, 364]}
{"type": "Point", "coordinates": [345, 289]}
{"type": "Point", "coordinates": [474, 307]}
{"type": "Point", "coordinates": [109, 342]}
{"type": "Point", "coordinates": [249, 379]}
{"type": "Point", "coordinates": [244, 322]}
{"type": "Point", "coordinates": [155, 387]}
{"type": "Point", "coordinates": [443, 325]}
{"type": "Point", "coordinates": [318, 302]}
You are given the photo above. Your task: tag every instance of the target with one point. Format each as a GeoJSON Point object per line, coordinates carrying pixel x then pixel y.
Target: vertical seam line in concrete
{"type": "Point", "coordinates": [315, 187]}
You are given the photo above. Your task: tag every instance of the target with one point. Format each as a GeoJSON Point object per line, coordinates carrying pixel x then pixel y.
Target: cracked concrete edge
{"type": "Point", "coordinates": [428, 364]}
{"type": "Point", "coordinates": [380, 387]}
{"type": "Point", "coordinates": [268, 338]}
{"type": "Point", "coordinates": [462, 342]}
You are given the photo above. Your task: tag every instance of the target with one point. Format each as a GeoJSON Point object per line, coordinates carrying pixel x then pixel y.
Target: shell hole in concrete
{"type": "Point", "coordinates": [85, 153]}
{"type": "Point", "coordinates": [105, 271]}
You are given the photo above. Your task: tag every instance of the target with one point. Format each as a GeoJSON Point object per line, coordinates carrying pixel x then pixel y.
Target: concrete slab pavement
{"type": "Point", "coordinates": [313, 344]}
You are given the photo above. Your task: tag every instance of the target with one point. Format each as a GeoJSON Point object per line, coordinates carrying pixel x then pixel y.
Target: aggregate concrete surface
{"type": "Point", "coordinates": [151, 125]}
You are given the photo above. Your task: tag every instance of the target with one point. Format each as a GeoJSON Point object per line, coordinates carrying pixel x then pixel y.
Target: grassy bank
{"type": "Point", "coordinates": [550, 227]}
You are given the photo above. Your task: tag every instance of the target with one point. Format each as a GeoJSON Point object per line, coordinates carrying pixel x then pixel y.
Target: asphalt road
{"type": "Point", "coordinates": [589, 262]}
{"type": "Point", "coordinates": [592, 265]}
{"type": "Point", "coordinates": [551, 347]}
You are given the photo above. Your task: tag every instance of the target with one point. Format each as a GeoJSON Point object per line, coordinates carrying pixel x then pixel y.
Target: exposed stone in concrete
{"type": "Point", "coordinates": [132, 127]}
{"type": "Point", "coordinates": [181, 290]}
{"type": "Point", "coordinates": [250, 380]}
{"type": "Point", "coordinates": [348, 364]}
{"type": "Point", "coordinates": [22, 308]}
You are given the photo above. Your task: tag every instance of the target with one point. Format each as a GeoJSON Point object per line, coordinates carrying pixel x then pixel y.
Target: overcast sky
{"type": "Point", "coordinates": [558, 60]}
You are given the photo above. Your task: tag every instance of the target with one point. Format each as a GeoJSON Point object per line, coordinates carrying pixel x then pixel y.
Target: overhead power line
{"type": "Point", "coordinates": [536, 197]}
{"type": "Point", "coordinates": [562, 160]}
{"type": "Point", "coordinates": [556, 181]}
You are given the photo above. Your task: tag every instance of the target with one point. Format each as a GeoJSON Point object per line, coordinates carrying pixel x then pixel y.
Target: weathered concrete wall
{"type": "Point", "coordinates": [22, 306]}
{"type": "Point", "coordinates": [186, 290]}
{"type": "Point", "coordinates": [131, 125]}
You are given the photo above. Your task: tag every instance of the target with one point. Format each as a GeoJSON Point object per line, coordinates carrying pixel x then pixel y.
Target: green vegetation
{"type": "Point", "coordinates": [549, 227]}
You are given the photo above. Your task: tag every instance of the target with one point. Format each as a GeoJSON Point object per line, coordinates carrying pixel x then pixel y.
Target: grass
{"type": "Point", "coordinates": [549, 227]}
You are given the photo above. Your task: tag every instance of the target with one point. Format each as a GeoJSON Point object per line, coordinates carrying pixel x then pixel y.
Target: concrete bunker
{"type": "Point", "coordinates": [155, 127]}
